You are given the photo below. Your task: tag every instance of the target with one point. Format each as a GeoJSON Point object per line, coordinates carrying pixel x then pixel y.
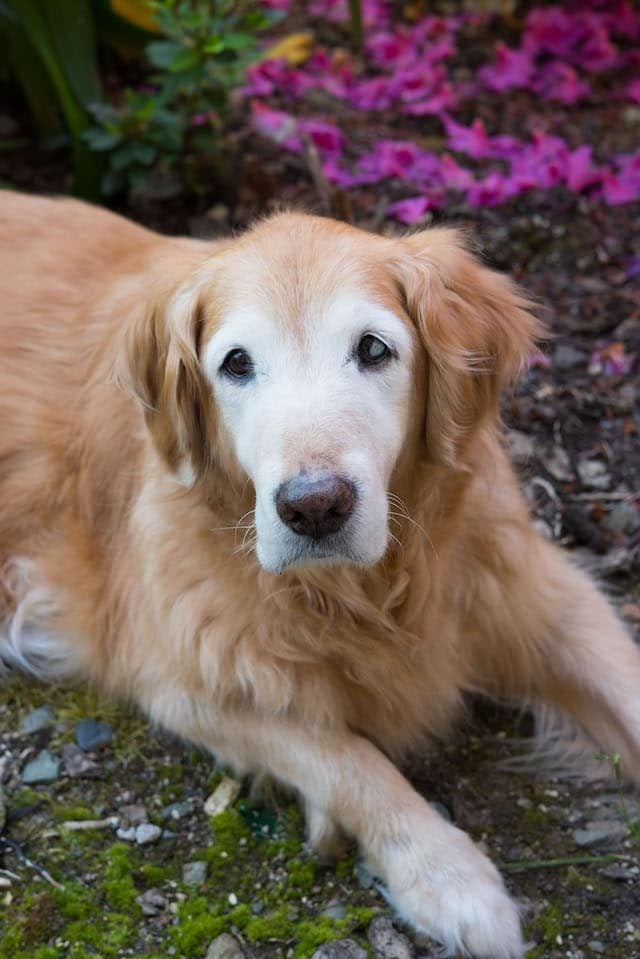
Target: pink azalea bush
{"type": "Point", "coordinates": [563, 53]}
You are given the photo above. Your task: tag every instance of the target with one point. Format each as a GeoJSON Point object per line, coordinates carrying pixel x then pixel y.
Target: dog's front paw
{"type": "Point", "coordinates": [445, 887]}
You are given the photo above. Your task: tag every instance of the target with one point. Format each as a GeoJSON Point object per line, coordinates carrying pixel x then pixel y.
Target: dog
{"type": "Point", "coordinates": [259, 487]}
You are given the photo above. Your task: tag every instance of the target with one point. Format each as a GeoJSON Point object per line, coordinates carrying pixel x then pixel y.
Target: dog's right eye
{"type": "Point", "coordinates": [237, 364]}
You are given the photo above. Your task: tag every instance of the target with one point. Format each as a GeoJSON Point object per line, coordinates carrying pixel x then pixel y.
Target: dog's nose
{"type": "Point", "coordinates": [315, 504]}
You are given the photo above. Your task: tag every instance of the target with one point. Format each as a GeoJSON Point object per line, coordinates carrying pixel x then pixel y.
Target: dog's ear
{"type": "Point", "coordinates": [477, 329]}
{"type": "Point", "coordinates": [158, 363]}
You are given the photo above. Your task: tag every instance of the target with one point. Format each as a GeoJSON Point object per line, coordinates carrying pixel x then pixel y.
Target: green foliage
{"type": "Point", "coordinates": [52, 51]}
{"type": "Point", "coordinates": [200, 60]}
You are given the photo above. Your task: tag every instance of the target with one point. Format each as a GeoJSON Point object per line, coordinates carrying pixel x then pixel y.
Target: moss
{"type": "Point", "coordinates": [198, 923]}
{"type": "Point", "coordinates": [302, 876]}
{"type": "Point", "coordinates": [72, 813]}
{"type": "Point", "coordinates": [155, 875]}
{"type": "Point", "coordinates": [307, 934]}
{"type": "Point", "coordinates": [274, 925]}
{"type": "Point", "coordinates": [119, 888]}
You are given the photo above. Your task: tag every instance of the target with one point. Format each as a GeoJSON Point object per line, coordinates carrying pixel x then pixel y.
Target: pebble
{"type": "Point", "coordinates": [37, 719]}
{"type": "Point", "coordinates": [520, 446]}
{"type": "Point", "coordinates": [92, 734]}
{"type": "Point", "coordinates": [43, 769]}
{"type": "Point", "coordinates": [622, 518]}
{"type": "Point", "coordinates": [77, 765]}
{"type": "Point", "coordinates": [567, 357]}
{"type": "Point", "coordinates": [442, 810]}
{"type": "Point", "coordinates": [225, 946]}
{"type": "Point", "coordinates": [128, 835]}
{"type": "Point", "coordinates": [387, 942]}
{"type": "Point", "coordinates": [334, 910]}
{"type": "Point", "coordinates": [194, 873]}
{"type": "Point", "coordinates": [175, 811]}
{"type": "Point", "coordinates": [619, 873]}
{"type": "Point", "coordinates": [600, 831]}
{"type": "Point", "coordinates": [223, 796]}
{"type": "Point", "coordinates": [559, 464]}
{"type": "Point", "coordinates": [593, 474]}
{"type": "Point", "coordinates": [340, 949]}
{"type": "Point", "coordinates": [147, 833]}
{"type": "Point", "coordinates": [365, 878]}
{"type": "Point", "coordinates": [152, 902]}
{"type": "Point", "coordinates": [596, 946]}
{"type": "Point", "coordinates": [135, 814]}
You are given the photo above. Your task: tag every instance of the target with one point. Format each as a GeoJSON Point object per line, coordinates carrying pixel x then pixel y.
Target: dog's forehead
{"type": "Point", "coordinates": [304, 275]}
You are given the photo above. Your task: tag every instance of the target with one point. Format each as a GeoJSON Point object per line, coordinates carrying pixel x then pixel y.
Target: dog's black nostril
{"type": "Point", "coordinates": [315, 504]}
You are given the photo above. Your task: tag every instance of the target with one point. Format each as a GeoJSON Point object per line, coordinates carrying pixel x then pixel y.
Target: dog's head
{"type": "Point", "coordinates": [317, 360]}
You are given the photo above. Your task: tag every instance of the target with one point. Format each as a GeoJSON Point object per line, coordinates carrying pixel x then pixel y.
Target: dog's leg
{"type": "Point", "coordinates": [554, 639]}
{"type": "Point", "coordinates": [438, 880]}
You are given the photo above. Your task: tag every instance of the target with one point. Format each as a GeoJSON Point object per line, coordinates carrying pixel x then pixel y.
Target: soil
{"type": "Point", "coordinates": [573, 255]}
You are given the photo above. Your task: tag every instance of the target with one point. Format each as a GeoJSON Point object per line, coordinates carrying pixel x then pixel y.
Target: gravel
{"type": "Point", "coordinates": [44, 768]}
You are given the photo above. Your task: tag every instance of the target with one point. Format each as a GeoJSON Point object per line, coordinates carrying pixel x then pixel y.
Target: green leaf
{"type": "Point", "coordinates": [101, 140]}
{"type": "Point", "coordinates": [162, 53]}
{"type": "Point", "coordinates": [239, 41]}
{"type": "Point", "coordinates": [185, 60]}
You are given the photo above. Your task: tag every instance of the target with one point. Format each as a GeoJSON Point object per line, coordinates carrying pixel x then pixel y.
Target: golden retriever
{"type": "Point", "coordinates": [259, 487]}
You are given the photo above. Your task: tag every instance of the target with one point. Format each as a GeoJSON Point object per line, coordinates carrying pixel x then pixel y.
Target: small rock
{"type": "Point", "coordinates": [77, 765]}
{"type": "Point", "coordinates": [559, 464]}
{"type": "Point", "coordinates": [567, 357]}
{"type": "Point", "coordinates": [442, 810]}
{"type": "Point", "coordinates": [91, 734]}
{"type": "Point", "coordinates": [194, 873]}
{"type": "Point", "coordinates": [599, 832]}
{"type": "Point", "coordinates": [3, 809]}
{"type": "Point", "coordinates": [619, 873]}
{"type": "Point", "coordinates": [623, 518]}
{"type": "Point", "coordinates": [542, 528]}
{"type": "Point", "coordinates": [225, 946]}
{"type": "Point", "coordinates": [135, 814]}
{"type": "Point", "coordinates": [340, 949]}
{"type": "Point", "coordinates": [147, 833]}
{"type": "Point", "coordinates": [223, 796]}
{"type": "Point", "coordinates": [596, 946]}
{"type": "Point", "coordinates": [43, 769]}
{"type": "Point", "coordinates": [387, 942]}
{"type": "Point", "coordinates": [37, 719]}
{"type": "Point", "coordinates": [175, 811]}
{"type": "Point", "coordinates": [128, 835]}
{"type": "Point", "coordinates": [152, 902]}
{"type": "Point", "coordinates": [257, 907]}
{"type": "Point", "coordinates": [365, 878]}
{"type": "Point", "coordinates": [520, 446]}
{"type": "Point", "coordinates": [334, 910]}
{"type": "Point", "coordinates": [593, 474]}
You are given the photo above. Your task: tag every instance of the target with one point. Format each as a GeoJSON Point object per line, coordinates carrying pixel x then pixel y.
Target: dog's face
{"type": "Point", "coordinates": [309, 357]}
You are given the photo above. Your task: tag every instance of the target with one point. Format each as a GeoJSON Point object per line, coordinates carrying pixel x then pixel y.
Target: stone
{"type": "Point", "coordinates": [593, 474]}
{"type": "Point", "coordinates": [442, 810]}
{"type": "Point", "coordinates": [194, 873]}
{"type": "Point", "coordinates": [365, 878]}
{"type": "Point", "coordinates": [43, 769]}
{"type": "Point", "coordinates": [622, 518]}
{"type": "Point", "coordinates": [37, 719]}
{"type": "Point", "coordinates": [223, 796]}
{"type": "Point", "coordinates": [340, 949]}
{"type": "Point", "coordinates": [152, 902]}
{"type": "Point", "coordinates": [334, 910]}
{"type": "Point", "coordinates": [566, 357]}
{"type": "Point", "coordinates": [387, 942]}
{"type": "Point", "coordinates": [596, 946]}
{"type": "Point", "coordinates": [135, 814]}
{"type": "Point", "coordinates": [175, 811]}
{"type": "Point", "coordinates": [92, 734]}
{"type": "Point", "coordinates": [620, 873]}
{"type": "Point", "coordinates": [600, 832]}
{"type": "Point", "coordinates": [128, 835]}
{"type": "Point", "coordinates": [147, 833]}
{"type": "Point", "coordinates": [520, 446]}
{"type": "Point", "coordinates": [559, 464]}
{"type": "Point", "coordinates": [225, 946]}
{"type": "Point", "coordinates": [77, 765]}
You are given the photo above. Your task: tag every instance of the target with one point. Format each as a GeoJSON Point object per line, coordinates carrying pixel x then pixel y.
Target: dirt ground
{"type": "Point", "coordinates": [574, 420]}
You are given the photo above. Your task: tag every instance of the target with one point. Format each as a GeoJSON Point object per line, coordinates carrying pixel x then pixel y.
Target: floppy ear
{"type": "Point", "coordinates": [158, 364]}
{"type": "Point", "coordinates": [477, 330]}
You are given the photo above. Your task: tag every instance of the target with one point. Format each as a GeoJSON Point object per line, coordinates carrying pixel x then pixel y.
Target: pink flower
{"type": "Point", "coordinates": [611, 360]}
{"type": "Point", "coordinates": [276, 125]}
{"type": "Point", "coordinates": [472, 140]}
{"type": "Point", "coordinates": [632, 90]}
{"type": "Point", "coordinates": [559, 81]}
{"type": "Point", "coordinates": [455, 177]}
{"type": "Point", "coordinates": [549, 30]}
{"type": "Point", "coordinates": [490, 191]}
{"type": "Point", "coordinates": [325, 136]}
{"type": "Point", "coordinates": [513, 69]}
{"type": "Point", "coordinates": [618, 188]}
{"type": "Point", "coordinates": [538, 360]}
{"type": "Point", "coordinates": [581, 173]}
{"type": "Point", "coordinates": [412, 209]}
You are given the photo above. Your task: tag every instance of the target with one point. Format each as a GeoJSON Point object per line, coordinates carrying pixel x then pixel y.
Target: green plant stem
{"type": "Point", "coordinates": [524, 865]}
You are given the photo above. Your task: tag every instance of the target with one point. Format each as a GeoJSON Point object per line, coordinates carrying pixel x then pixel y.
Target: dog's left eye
{"type": "Point", "coordinates": [372, 351]}
{"type": "Point", "coordinates": [237, 364]}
